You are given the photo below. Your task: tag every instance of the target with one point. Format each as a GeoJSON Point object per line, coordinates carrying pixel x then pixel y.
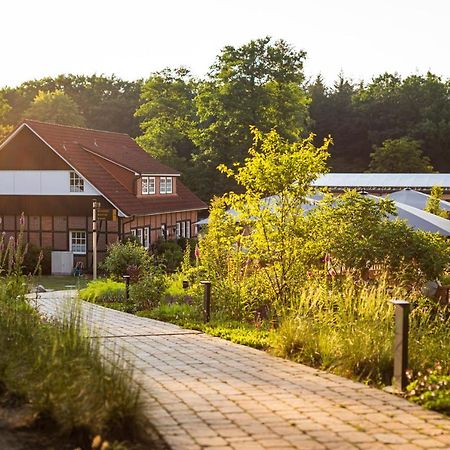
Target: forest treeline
{"type": "Point", "coordinates": [194, 124]}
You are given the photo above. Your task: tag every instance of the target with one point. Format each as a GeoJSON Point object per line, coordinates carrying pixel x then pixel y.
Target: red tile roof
{"type": "Point", "coordinates": [78, 146]}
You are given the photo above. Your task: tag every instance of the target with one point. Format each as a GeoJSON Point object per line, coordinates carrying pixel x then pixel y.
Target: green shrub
{"type": "Point", "coordinates": [103, 291]}
{"type": "Point", "coordinates": [168, 253]}
{"type": "Point", "coordinates": [123, 258]}
{"type": "Point", "coordinates": [37, 258]}
{"type": "Point", "coordinates": [149, 290]}
{"type": "Point", "coordinates": [431, 388]}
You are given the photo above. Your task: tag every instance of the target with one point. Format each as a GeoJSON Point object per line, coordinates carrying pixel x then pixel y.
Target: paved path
{"type": "Point", "coordinates": [204, 392]}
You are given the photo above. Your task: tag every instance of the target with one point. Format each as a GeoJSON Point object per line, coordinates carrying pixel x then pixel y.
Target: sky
{"type": "Point", "coordinates": [133, 38]}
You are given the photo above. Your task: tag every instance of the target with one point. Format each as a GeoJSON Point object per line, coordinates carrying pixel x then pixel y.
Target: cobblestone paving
{"type": "Point", "coordinates": [207, 393]}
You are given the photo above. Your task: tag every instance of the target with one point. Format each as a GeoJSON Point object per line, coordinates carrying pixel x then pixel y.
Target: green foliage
{"type": "Point", "coordinates": [55, 107]}
{"type": "Point", "coordinates": [168, 119]}
{"type": "Point", "coordinates": [196, 125]}
{"type": "Point", "coordinates": [148, 290]}
{"type": "Point", "coordinates": [188, 316]}
{"type": "Point", "coordinates": [431, 389]}
{"type": "Point", "coordinates": [103, 291]}
{"type": "Point", "coordinates": [12, 253]}
{"type": "Point", "coordinates": [341, 327]}
{"type": "Point", "coordinates": [355, 233]}
{"type": "Point", "coordinates": [5, 128]}
{"type": "Point", "coordinates": [167, 253]}
{"type": "Point", "coordinates": [37, 257]}
{"type": "Point", "coordinates": [429, 335]}
{"type": "Point", "coordinates": [399, 155]}
{"type": "Point", "coordinates": [360, 116]}
{"type": "Point", "coordinates": [106, 103]}
{"type": "Point", "coordinates": [267, 234]}
{"type": "Point", "coordinates": [179, 313]}
{"type": "Point", "coordinates": [124, 258]}
{"type": "Point", "coordinates": [50, 363]}
{"type": "Point", "coordinates": [433, 204]}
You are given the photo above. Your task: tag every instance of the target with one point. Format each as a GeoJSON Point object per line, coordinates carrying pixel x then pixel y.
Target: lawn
{"type": "Point", "coordinates": [58, 283]}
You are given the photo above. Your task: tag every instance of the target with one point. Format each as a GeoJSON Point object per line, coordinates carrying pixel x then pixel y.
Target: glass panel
{"type": "Point", "coordinates": [162, 185]}
{"type": "Point", "coordinates": [151, 185]}
{"type": "Point", "coordinates": [144, 185]}
{"type": "Point", "coordinates": [168, 185]}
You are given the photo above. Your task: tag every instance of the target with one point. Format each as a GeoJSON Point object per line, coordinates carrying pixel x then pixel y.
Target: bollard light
{"type": "Point", "coordinates": [401, 344]}
{"type": "Point", "coordinates": [206, 300]}
{"type": "Point", "coordinates": [126, 278]}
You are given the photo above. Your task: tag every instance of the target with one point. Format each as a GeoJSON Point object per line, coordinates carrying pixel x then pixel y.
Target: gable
{"type": "Point", "coordinates": [26, 151]}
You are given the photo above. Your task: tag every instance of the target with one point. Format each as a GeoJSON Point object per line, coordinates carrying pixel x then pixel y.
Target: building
{"type": "Point", "coordinates": [384, 183]}
{"type": "Point", "coordinates": [52, 173]}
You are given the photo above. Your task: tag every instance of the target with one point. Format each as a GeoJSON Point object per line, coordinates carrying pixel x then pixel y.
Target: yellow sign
{"type": "Point", "coordinates": [106, 214]}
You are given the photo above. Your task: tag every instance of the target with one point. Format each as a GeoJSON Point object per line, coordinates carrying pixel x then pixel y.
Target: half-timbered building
{"type": "Point", "coordinates": [52, 173]}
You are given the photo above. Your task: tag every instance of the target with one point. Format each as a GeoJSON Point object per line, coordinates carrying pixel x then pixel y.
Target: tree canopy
{"type": "Point", "coordinates": [399, 156]}
{"type": "Point", "coordinates": [55, 107]}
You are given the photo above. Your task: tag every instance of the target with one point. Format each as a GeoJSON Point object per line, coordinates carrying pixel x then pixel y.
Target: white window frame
{"type": "Point", "coordinates": [148, 185]}
{"type": "Point", "coordinates": [76, 183]}
{"type": "Point", "coordinates": [151, 185]}
{"type": "Point", "coordinates": [78, 242]}
{"type": "Point", "coordinates": [169, 185]}
{"type": "Point", "coordinates": [162, 185]}
{"type": "Point", "coordinates": [144, 185]}
{"type": "Point", "coordinates": [139, 235]}
{"type": "Point", "coordinates": [184, 229]}
{"type": "Point", "coordinates": [146, 237]}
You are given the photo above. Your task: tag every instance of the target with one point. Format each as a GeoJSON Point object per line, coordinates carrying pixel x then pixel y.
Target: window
{"type": "Point", "coordinates": [78, 242]}
{"type": "Point", "coordinates": [144, 185]}
{"type": "Point", "coordinates": [148, 185]}
{"type": "Point", "coordinates": [76, 182]}
{"type": "Point", "coordinates": [165, 185]}
{"type": "Point", "coordinates": [139, 235]}
{"type": "Point", "coordinates": [146, 239]}
{"type": "Point", "coordinates": [164, 231]}
{"type": "Point", "coordinates": [184, 229]}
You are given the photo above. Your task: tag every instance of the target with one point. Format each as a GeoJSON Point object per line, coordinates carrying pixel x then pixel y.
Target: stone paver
{"type": "Point", "coordinates": [207, 393]}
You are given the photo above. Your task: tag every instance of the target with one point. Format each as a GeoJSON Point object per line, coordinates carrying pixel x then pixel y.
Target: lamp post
{"type": "Point", "coordinates": [206, 300]}
{"type": "Point", "coordinates": [95, 205]}
{"type": "Point", "coordinates": [401, 343]}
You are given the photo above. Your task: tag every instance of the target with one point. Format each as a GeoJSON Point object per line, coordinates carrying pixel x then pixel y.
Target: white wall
{"type": "Point", "coordinates": [40, 182]}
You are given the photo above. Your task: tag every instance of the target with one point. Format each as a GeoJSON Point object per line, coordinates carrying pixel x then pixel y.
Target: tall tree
{"type": "Point", "coordinates": [333, 113]}
{"type": "Point", "coordinates": [107, 103]}
{"type": "Point", "coordinates": [201, 124]}
{"type": "Point", "coordinates": [5, 128]}
{"type": "Point", "coordinates": [55, 107]}
{"type": "Point", "coordinates": [169, 120]}
{"type": "Point", "coordinates": [402, 155]}
{"type": "Point", "coordinates": [418, 106]}
{"type": "Point", "coordinates": [258, 84]}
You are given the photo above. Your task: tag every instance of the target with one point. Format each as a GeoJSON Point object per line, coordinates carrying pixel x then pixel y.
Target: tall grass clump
{"type": "Point", "coordinates": [103, 291]}
{"type": "Point", "coordinates": [341, 326]}
{"type": "Point", "coordinates": [59, 369]}
{"type": "Point", "coordinates": [63, 374]}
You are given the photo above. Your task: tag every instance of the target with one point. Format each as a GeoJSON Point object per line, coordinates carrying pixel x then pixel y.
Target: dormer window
{"type": "Point", "coordinates": [148, 185]}
{"type": "Point", "coordinates": [165, 185]}
{"type": "Point", "coordinates": [76, 182]}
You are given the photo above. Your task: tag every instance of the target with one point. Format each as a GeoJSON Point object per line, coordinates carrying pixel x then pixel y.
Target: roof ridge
{"type": "Point", "coordinates": [86, 148]}
{"type": "Point", "coordinates": [75, 127]}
